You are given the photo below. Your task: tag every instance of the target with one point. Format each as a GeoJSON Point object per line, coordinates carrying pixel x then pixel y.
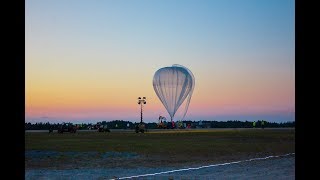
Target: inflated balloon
{"type": "Point", "coordinates": [173, 85]}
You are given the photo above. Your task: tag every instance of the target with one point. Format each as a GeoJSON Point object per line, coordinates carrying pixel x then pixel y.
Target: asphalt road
{"type": "Point", "coordinates": [272, 168]}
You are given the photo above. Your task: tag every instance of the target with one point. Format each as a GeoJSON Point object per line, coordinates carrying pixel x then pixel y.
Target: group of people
{"type": "Point", "coordinates": [262, 124]}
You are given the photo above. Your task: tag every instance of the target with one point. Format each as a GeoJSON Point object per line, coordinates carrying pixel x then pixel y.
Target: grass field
{"type": "Point", "coordinates": [159, 147]}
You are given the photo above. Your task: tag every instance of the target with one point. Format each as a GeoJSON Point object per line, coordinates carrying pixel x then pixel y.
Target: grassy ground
{"type": "Point", "coordinates": [174, 148]}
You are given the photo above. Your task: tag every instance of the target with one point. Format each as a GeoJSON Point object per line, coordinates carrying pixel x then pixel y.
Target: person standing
{"type": "Point", "coordinates": [254, 124]}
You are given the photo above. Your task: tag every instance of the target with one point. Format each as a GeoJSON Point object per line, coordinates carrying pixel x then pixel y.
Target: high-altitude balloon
{"type": "Point", "coordinates": [173, 85]}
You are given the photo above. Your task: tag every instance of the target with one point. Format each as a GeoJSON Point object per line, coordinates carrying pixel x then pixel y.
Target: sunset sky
{"type": "Point", "coordinates": [89, 60]}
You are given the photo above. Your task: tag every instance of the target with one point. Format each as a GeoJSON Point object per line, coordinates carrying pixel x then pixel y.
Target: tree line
{"type": "Point", "coordinates": [121, 124]}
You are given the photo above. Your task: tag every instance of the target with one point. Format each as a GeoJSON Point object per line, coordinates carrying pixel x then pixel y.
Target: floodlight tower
{"type": "Point", "coordinates": [141, 101]}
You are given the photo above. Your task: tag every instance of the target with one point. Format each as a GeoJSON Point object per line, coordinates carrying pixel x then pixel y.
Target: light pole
{"type": "Point", "coordinates": [141, 101]}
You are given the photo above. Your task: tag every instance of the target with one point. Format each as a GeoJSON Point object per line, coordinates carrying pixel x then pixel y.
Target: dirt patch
{"type": "Point", "coordinates": [77, 160]}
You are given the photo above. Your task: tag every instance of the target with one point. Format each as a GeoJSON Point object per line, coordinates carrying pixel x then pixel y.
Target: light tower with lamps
{"type": "Point", "coordinates": [141, 101]}
{"type": "Point", "coordinates": [141, 126]}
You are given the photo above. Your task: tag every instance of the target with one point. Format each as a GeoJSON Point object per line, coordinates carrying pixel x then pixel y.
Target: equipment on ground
{"type": "Point", "coordinates": [67, 127]}
{"type": "Point", "coordinates": [161, 124]}
{"type": "Point", "coordinates": [104, 128]}
{"type": "Point", "coordinates": [141, 127]}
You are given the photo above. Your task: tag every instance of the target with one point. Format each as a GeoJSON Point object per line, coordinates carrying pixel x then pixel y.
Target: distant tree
{"type": "Point", "coordinates": [152, 125]}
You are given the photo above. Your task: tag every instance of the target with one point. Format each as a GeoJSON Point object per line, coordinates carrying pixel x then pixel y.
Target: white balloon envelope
{"type": "Point", "coordinates": [173, 85]}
